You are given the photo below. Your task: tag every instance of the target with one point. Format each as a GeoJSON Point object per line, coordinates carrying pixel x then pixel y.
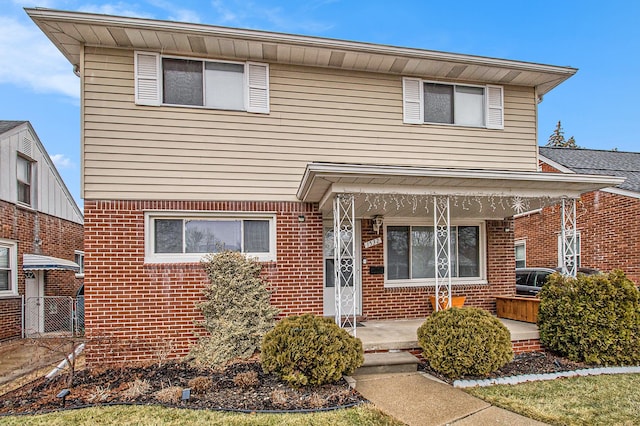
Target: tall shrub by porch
{"type": "Point", "coordinates": [237, 313]}
{"type": "Point", "coordinates": [593, 318]}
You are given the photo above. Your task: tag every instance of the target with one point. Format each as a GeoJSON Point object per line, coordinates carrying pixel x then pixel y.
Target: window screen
{"type": "Point", "coordinates": [438, 103]}
{"type": "Point", "coordinates": [182, 82]}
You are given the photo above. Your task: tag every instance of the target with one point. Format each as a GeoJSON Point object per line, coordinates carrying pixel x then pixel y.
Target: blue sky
{"type": "Point", "coordinates": [599, 105]}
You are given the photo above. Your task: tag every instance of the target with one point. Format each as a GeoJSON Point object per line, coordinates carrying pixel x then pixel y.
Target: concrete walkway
{"type": "Point", "coordinates": [417, 399]}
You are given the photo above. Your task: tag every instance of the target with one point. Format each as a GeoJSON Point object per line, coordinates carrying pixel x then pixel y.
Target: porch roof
{"type": "Point", "coordinates": [322, 181]}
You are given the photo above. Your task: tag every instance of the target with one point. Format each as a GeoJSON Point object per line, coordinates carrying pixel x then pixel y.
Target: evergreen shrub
{"type": "Point", "coordinates": [237, 312]}
{"type": "Point", "coordinates": [310, 350]}
{"type": "Point", "coordinates": [464, 341]}
{"type": "Point", "coordinates": [591, 318]}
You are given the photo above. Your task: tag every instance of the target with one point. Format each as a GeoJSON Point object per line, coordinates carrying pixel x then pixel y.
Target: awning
{"type": "Point", "coordinates": [491, 194]}
{"type": "Point", "coordinates": [32, 262]}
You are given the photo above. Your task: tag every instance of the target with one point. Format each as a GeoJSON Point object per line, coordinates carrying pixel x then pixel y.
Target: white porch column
{"type": "Point", "coordinates": [569, 238]}
{"type": "Point", "coordinates": [344, 256]}
{"type": "Point", "coordinates": [442, 245]}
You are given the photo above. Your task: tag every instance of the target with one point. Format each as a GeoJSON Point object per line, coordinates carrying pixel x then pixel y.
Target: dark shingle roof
{"type": "Point", "coordinates": [6, 125]}
{"type": "Point", "coordinates": [591, 161]}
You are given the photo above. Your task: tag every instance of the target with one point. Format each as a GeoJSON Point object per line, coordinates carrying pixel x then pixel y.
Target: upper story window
{"type": "Point", "coordinates": [242, 86]}
{"type": "Point", "coordinates": [24, 178]}
{"type": "Point", "coordinates": [454, 104]}
{"type": "Point", "coordinates": [8, 268]}
{"type": "Point", "coordinates": [188, 237]}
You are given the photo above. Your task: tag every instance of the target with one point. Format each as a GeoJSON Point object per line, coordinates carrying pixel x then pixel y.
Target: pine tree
{"type": "Point", "coordinates": [557, 139]}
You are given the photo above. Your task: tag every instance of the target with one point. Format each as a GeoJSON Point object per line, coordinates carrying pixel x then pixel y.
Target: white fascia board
{"type": "Point", "coordinates": [282, 38]}
{"type": "Point", "coordinates": [555, 165]}
{"type": "Point", "coordinates": [623, 192]}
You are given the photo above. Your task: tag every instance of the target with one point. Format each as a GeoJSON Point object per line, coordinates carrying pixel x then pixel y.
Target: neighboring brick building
{"type": "Point", "coordinates": [608, 221]}
{"type": "Point", "coordinates": [41, 232]}
{"type": "Point", "coordinates": [382, 172]}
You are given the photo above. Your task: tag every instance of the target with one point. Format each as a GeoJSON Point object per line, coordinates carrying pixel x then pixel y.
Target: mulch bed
{"type": "Point", "coordinates": [242, 386]}
{"type": "Point", "coordinates": [252, 391]}
{"type": "Point", "coordinates": [526, 363]}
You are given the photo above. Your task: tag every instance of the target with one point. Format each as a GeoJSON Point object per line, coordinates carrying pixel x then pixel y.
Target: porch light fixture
{"type": "Point", "coordinates": [377, 223]}
{"type": "Point", "coordinates": [301, 218]}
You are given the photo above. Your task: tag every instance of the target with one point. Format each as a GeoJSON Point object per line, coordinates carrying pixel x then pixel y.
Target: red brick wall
{"type": "Point", "coordinates": [609, 226]}
{"type": "Point", "coordinates": [136, 310]}
{"type": "Point", "coordinates": [59, 238]}
{"type": "Point", "coordinates": [379, 302]}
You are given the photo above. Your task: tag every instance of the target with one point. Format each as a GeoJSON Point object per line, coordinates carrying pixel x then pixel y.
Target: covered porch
{"type": "Point", "coordinates": [396, 235]}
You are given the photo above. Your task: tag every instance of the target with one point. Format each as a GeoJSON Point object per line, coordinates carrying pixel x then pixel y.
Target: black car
{"type": "Point", "coordinates": [529, 281]}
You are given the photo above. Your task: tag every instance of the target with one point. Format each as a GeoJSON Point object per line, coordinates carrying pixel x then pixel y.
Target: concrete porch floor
{"type": "Point", "coordinates": [402, 334]}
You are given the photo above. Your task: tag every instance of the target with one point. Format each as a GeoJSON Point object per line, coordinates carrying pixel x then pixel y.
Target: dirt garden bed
{"type": "Point", "coordinates": [241, 386]}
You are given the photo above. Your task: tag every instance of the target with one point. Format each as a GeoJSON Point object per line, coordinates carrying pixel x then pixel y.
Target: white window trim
{"type": "Point", "coordinates": [579, 254]}
{"type": "Point", "coordinates": [149, 241]}
{"type": "Point", "coordinates": [81, 273]}
{"type": "Point", "coordinates": [431, 282]}
{"type": "Point", "coordinates": [521, 243]}
{"type": "Point", "coordinates": [13, 268]}
{"type": "Point", "coordinates": [32, 163]}
{"type": "Point", "coordinates": [152, 82]}
{"type": "Point", "coordinates": [495, 105]}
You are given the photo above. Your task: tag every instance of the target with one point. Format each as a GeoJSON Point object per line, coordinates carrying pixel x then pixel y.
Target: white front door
{"type": "Point", "coordinates": [329, 272]}
{"type": "Point", "coordinates": [34, 302]}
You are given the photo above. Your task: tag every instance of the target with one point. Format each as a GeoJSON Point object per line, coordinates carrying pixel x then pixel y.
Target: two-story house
{"type": "Point", "coordinates": [41, 233]}
{"type": "Point", "coordinates": [365, 177]}
{"type": "Point", "coordinates": [608, 220]}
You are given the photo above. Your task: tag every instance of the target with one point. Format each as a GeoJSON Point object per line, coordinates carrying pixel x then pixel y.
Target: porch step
{"type": "Point", "coordinates": [388, 362]}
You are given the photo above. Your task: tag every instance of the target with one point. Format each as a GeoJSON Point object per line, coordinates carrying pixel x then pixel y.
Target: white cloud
{"type": "Point", "coordinates": [118, 9]}
{"type": "Point", "coordinates": [248, 14]}
{"type": "Point", "coordinates": [176, 13]}
{"type": "Point", "coordinates": [32, 3]}
{"type": "Point", "coordinates": [29, 59]}
{"type": "Point", "coordinates": [61, 161]}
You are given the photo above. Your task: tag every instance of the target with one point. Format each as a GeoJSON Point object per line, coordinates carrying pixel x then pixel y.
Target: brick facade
{"type": "Point", "coordinates": [136, 311]}
{"type": "Point", "coordinates": [58, 237]}
{"type": "Point", "coordinates": [609, 226]}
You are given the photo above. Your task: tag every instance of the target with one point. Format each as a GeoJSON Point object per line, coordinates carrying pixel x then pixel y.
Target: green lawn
{"type": "Point", "coordinates": [594, 400]}
{"type": "Point", "coordinates": [154, 415]}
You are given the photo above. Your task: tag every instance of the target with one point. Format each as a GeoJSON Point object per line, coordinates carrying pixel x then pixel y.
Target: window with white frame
{"type": "Point", "coordinates": [578, 250]}
{"type": "Point", "coordinates": [521, 254]}
{"type": "Point", "coordinates": [172, 237]}
{"type": "Point", "coordinates": [168, 80]}
{"type": "Point", "coordinates": [410, 256]}
{"type": "Point", "coordinates": [8, 268]}
{"type": "Point", "coordinates": [433, 102]}
{"type": "Point", "coordinates": [24, 169]}
{"type": "Point", "coordinates": [79, 259]}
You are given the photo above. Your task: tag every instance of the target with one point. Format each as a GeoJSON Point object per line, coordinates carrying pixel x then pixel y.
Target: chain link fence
{"type": "Point", "coordinates": [53, 316]}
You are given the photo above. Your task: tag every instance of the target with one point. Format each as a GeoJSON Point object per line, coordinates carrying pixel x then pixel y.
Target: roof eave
{"type": "Point", "coordinates": [554, 74]}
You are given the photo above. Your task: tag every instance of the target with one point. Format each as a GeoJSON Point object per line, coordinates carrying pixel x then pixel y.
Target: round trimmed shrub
{"type": "Point", "coordinates": [310, 350]}
{"type": "Point", "coordinates": [591, 318]}
{"type": "Point", "coordinates": [465, 341]}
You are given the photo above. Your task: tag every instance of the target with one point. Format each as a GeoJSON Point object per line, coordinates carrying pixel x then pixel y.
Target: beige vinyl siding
{"type": "Point", "coordinates": [317, 114]}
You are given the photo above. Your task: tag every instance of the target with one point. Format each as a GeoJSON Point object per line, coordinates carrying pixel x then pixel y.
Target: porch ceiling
{"type": "Point", "coordinates": [401, 191]}
{"type": "Point", "coordinates": [70, 31]}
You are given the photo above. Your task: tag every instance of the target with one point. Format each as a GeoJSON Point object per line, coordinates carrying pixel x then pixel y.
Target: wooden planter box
{"type": "Point", "coordinates": [518, 308]}
{"type": "Point", "coordinates": [456, 301]}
